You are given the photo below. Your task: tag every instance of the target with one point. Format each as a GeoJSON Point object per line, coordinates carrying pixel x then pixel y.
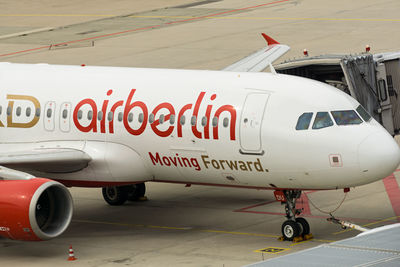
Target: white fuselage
{"type": "Point", "coordinates": [194, 127]}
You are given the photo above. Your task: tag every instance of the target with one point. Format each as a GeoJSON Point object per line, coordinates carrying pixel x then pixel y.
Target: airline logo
{"type": "Point", "coordinates": [95, 125]}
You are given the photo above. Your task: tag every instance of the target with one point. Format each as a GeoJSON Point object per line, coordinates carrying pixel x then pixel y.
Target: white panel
{"type": "Point", "coordinates": [49, 115]}
{"type": "Point", "coordinates": [250, 123]}
{"type": "Point", "coordinates": [65, 117]}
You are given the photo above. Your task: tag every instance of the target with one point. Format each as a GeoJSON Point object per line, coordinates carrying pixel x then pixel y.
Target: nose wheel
{"type": "Point", "coordinates": [294, 228]}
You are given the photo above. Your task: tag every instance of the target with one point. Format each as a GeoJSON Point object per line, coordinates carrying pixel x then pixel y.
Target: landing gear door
{"type": "Point", "coordinates": [384, 99]}
{"type": "Point", "coordinates": [250, 123]}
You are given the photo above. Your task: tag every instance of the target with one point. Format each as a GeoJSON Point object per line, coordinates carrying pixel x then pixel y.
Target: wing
{"type": "Point", "coordinates": [54, 160]}
{"type": "Point", "coordinates": [261, 59]}
{"type": "Point", "coordinates": [379, 246]}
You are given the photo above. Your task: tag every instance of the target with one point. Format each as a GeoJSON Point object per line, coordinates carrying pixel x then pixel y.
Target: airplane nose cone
{"type": "Point", "coordinates": [378, 155]}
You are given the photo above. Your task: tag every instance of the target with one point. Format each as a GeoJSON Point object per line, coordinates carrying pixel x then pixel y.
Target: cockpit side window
{"type": "Point", "coordinates": [363, 113]}
{"type": "Point", "coordinates": [322, 120]}
{"type": "Point", "coordinates": [304, 121]}
{"type": "Point", "coordinates": [346, 117]}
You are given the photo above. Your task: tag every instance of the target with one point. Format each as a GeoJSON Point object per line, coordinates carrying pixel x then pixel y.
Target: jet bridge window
{"type": "Point", "coordinates": [363, 113]}
{"type": "Point", "coordinates": [346, 117]}
{"type": "Point", "coordinates": [304, 121]}
{"type": "Point", "coordinates": [322, 120]}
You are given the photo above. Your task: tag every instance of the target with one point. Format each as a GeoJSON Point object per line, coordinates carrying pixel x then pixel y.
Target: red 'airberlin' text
{"type": "Point", "coordinates": [130, 103]}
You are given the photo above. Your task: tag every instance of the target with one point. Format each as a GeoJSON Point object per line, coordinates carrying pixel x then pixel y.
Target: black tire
{"type": "Point", "coordinates": [305, 227]}
{"type": "Point", "coordinates": [290, 230]}
{"type": "Point", "coordinates": [136, 191]}
{"type": "Point", "coordinates": [115, 195]}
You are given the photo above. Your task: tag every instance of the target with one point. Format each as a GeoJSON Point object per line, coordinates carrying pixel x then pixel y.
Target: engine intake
{"type": "Point", "coordinates": [34, 210]}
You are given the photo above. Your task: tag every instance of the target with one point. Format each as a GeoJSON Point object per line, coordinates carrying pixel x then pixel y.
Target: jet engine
{"type": "Point", "coordinates": [34, 210]}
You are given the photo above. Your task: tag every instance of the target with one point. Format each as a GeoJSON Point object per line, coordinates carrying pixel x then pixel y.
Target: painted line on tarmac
{"type": "Point", "coordinates": [368, 224]}
{"type": "Point", "coordinates": [57, 15]}
{"type": "Point", "coordinates": [211, 16]}
{"type": "Point", "coordinates": [239, 233]}
{"type": "Point", "coordinates": [174, 228]}
{"type": "Point", "coordinates": [143, 28]}
{"type": "Point", "coordinates": [193, 229]}
{"type": "Point", "coordinates": [274, 18]}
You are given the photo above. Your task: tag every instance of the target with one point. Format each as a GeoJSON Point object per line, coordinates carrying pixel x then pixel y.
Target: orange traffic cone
{"type": "Point", "coordinates": [71, 254]}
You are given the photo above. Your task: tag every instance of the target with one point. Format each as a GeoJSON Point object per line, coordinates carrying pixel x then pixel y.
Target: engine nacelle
{"type": "Point", "coordinates": [34, 210]}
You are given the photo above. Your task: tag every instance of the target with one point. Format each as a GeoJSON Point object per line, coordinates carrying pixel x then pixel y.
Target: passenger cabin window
{"type": "Point", "coordinates": [110, 116]}
{"type": "Point", "coordinates": [322, 120]}
{"type": "Point", "coordinates": [1, 108]}
{"type": "Point", "coordinates": [225, 122]}
{"type": "Point", "coordinates": [182, 120]}
{"type": "Point", "coordinates": [18, 111]}
{"type": "Point", "coordinates": [49, 112]}
{"type": "Point", "coordinates": [215, 122]}
{"type": "Point", "coordinates": [172, 119]}
{"type": "Point", "coordinates": [363, 113]}
{"type": "Point", "coordinates": [204, 121]}
{"type": "Point", "coordinates": [141, 118]}
{"type": "Point", "coordinates": [27, 111]}
{"type": "Point", "coordinates": [151, 118]}
{"type": "Point", "coordinates": [65, 114]}
{"type": "Point", "coordinates": [130, 117]}
{"type": "Point", "coordinates": [80, 113]}
{"type": "Point", "coordinates": [304, 121]}
{"type": "Point", "coordinates": [346, 117]}
{"type": "Point", "coordinates": [193, 120]}
{"type": "Point", "coordinates": [99, 115]}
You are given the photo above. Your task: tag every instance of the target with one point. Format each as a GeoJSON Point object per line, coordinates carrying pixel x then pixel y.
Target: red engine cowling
{"type": "Point", "coordinates": [34, 210]}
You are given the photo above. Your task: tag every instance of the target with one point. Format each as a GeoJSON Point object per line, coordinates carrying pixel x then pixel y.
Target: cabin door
{"type": "Point", "coordinates": [250, 123]}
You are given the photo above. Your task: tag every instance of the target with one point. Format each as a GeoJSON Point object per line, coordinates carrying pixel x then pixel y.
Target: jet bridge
{"type": "Point", "coordinates": [374, 80]}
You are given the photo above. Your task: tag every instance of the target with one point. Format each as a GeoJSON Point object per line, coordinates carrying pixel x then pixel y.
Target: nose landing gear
{"type": "Point", "coordinates": [293, 229]}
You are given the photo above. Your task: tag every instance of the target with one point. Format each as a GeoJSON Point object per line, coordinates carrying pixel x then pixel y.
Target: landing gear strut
{"type": "Point", "coordinates": [293, 228]}
{"type": "Point", "coordinates": [118, 195]}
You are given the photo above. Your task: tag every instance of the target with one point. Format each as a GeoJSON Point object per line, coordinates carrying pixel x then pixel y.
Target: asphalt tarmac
{"type": "Point", "coordinates": [197, 225]}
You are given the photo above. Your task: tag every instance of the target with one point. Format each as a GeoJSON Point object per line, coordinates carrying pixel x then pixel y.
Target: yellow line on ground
{"type": "Point", "coordinates": [110, 223]}
{"type": "Point", "coordinates": [298, 243]}
{"type": "Point", "coordinates": [167, 227]}
{"type": "Point", "coordinates": [368, 224]}
{"type": "Point", "coordinates": [270, 18]}
{"type": "Point", "coordinates": [322, 240]}
{"type": "Point", "coordinates": [205, 16]}
{"type": "Point", "coordinates": [238, 233]}
{"type": "Point", "coordinates": [173, 228]}
{"type": "Point", "coordinates": [57, 15]}
{"type": "Point", "coordinates": [193, 229]}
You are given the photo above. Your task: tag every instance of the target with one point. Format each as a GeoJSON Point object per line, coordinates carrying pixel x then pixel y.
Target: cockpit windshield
{"type": "Point", "coordinates": [346, 117]}
{"type": "Point", "coordinates": [363, 113]}
{"type": "Point", "coordinates": [304, 121]}
{"type": "Point", "coordinates": [322, 120]}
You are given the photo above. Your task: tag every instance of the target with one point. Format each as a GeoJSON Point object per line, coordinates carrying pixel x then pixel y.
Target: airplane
{"type": "Point", "coordinates": [117, 128]}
